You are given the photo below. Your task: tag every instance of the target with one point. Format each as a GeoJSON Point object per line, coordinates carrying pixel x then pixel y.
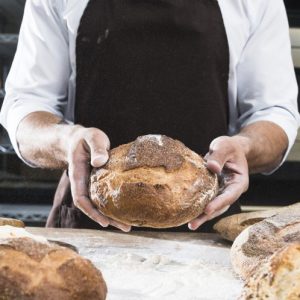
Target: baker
{"type": "Point", "coordinates": [90, 75]}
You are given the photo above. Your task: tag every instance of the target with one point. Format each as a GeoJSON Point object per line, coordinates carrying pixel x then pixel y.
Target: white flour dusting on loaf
{"type": "Point", "coordinates": [157, 138]}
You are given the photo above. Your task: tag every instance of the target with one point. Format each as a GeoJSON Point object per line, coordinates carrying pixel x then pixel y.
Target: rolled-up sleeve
{"type": "Point", "coordinates": [38, 79]}
{"type": "Point", "coordinates": [267, 87]}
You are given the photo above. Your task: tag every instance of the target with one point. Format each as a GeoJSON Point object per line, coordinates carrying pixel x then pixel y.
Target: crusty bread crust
{"type": "Point", "coordinates": [278, 278]}
{"type": "Point", "coordinates": [30, 270]}
{"type": "Point", "coordinates": [154, 181]}
{"type": "Point", "coordinates": [230, 227]}
{"type": "Point", "coordinates": [11, 222]}
{"type": "Point", "coordinates": [259, 241]}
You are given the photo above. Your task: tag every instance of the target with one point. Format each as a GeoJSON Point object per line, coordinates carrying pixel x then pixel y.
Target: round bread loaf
{"type": "Point", "coordinates": [258, 242]}
{"type": "Point", "coordinates": [33, 269]}
{"type": "Point", "coordinates": [276, 279]}
{"type": "Point", "coordinates": [154, 181]}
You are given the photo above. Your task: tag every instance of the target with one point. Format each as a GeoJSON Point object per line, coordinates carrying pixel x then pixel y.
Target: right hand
{"type": "Point", "coordinates": [88, 147]}
{"type": "Point", "coordinates": [226, 156]}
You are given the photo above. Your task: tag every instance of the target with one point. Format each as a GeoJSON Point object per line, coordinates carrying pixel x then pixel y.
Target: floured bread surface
{"type": "Point", "coordinates": [32, 269]}
{"type": "Point", "coordinates": [259, 241]}
{"type": "Point", "coordinates": [278, 278]}
{"type": "Point", "coordinates": [154, 181]}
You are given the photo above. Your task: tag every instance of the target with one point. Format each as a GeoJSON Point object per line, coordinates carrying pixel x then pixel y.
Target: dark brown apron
{"type": "Point", "coordinates": [149, 67]}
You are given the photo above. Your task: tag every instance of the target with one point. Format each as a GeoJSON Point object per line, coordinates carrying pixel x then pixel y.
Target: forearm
{"type": "Point", "coordinates": [264, 144]}
{"type": "Point", "coordinates": [48, 143]}
{"type": "Point", "coordinates": [43, 140]}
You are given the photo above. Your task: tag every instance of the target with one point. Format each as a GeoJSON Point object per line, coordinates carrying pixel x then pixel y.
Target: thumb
{"type": "Point", "coordinates": [99, 158]}
{"type": "Point", "coordinates": [219, 153]}
{"type": "Point", "coordinates": [98, 143]}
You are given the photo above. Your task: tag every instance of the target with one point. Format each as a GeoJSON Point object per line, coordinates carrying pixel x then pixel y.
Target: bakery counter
{"type": "Point", "coordinates": [156, 265]}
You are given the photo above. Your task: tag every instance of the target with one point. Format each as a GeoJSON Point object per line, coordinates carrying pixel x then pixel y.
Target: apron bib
{"type": "Point", "coordinates": [149, 67]}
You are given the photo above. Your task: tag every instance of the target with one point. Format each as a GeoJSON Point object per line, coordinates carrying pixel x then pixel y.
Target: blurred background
{"type": "Point", "coordinates": [27, 193]}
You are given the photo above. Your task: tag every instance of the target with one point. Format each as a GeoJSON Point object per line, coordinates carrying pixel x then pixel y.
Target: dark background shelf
{"type": "Point", "coordinates": [8, 45]}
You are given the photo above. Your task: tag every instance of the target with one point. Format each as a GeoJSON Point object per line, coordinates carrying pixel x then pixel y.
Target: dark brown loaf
{"type": "Point", "coordinates": [154, 181]}
{"type": "Point", "coordinates": [32, 270]}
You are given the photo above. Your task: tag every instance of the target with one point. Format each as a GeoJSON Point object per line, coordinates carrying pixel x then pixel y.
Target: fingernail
{"type": "Point", "coordinates": [100, 160]}
{"type": "Point", "coordinates": [123, 228]}
{"type": "Point", "coordinates": [191, 227]}
{"type": "Point", "coordinates": [126, 229]}
{"type": "Point", "coordinates": [103, 224]}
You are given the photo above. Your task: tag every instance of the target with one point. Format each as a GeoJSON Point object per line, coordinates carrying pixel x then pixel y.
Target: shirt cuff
{"type": "Point", "coordinates": [288, 121]}
{"type": "Point", "coordinates": [16, 114]}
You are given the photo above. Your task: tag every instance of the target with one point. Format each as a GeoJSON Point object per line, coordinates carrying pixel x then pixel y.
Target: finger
{"type": "Point", "coordinates": [220, 151]}
{"type": "Point", "coordinates": [121, 226]}
{"type": "Point", "coordinates": [213, 165]}
{"type": "Point", "coordinates": [99, 159]}
{"type": "Point", "coordinates": [218, 212]}
{"type": "Point", "coordinates": [228, 196]}
{"type": "Point", "coordinates": [99, 145]}
{"type": "Point", "coordinates": [79, 172]}
{"type": "Point", "coordinates": [85, 205]}
{"type": "Point", "coordinates": [196, 223]}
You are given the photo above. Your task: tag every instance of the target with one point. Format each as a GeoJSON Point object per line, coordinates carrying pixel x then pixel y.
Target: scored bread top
{"type": "Point", "coordinates": [155, 151]}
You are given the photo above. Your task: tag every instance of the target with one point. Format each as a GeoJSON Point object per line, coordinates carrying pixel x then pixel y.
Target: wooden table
{"type": "Point", "coordinates": [156, 265]}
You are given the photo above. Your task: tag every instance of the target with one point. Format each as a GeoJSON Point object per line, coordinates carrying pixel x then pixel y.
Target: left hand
{"type": "Point", "coordinates": [226, 157]}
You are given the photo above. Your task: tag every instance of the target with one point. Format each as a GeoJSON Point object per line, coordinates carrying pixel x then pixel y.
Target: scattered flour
{"type": "Point", "coordinates": [10, 232]}
{"type": "Point", "coordinates": [150, 275]}
{"type": "Point", "coordinates": [158, 266]}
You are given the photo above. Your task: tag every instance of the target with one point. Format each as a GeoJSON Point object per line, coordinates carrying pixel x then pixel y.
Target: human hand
{"type": "Point", "coordinates": [227, 158]}
{"type": "Point", "coordinates": [88, 147]}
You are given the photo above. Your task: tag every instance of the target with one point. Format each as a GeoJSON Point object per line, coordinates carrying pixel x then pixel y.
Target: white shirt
{"type": "Point", "coordinates": [261, 86]}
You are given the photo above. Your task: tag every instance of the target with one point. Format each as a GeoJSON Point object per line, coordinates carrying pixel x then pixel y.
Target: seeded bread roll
{"type": "Point", "coordinates": [154, 181]}
{"type": "Point", "coordinates": [276, 279]}
{"type": "Point", "coordinates": [31, 268]}
{"type": "Point", "coordinates": [258, 242]}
